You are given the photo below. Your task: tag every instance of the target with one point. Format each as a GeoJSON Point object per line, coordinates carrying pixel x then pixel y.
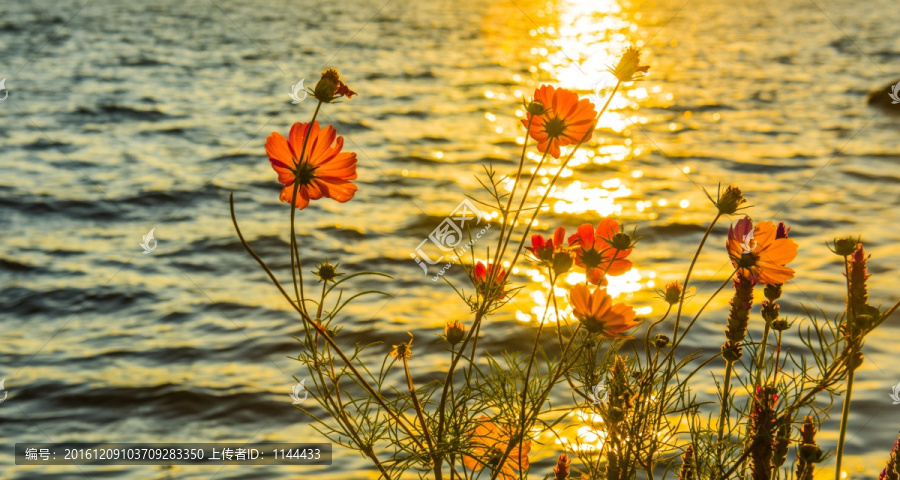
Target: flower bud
{"type": "Point", "coordinates": [731, 352]}
{"type": "Point", "coordinates": [672, 294]}
{"type": "Point", "coordinates": [780, 325]}
{"type": "Point", "coordinates": [562, 262]}
{"type": "Point", "coordinates": [661, 341]}
{"type": "Point", "coordinates": [730, 201]}
{"type": "Point", "coordinates": [403, 350]}
{"type": "Point", "coordinates": [330, 87]}
{"type": "Point", "coordinates": [561, 472]}
{"type": "Point", "coordinates": [769, 311]}
{"type": "Point", "coordinates": [845, 246]}
{"type": "Point", "coordinates": [326, 272]}
{"type": "Point", "coordinates": [454, 332]}
{"type": "Point", "coordinates": [621, 241]}
{"type": "Point", "coordinates": [772, 292]}
{"type": "Point", "coordinates": [535, 108]}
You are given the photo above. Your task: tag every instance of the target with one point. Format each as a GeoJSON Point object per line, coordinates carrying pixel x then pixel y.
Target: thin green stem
{"type": "Point", "coordinates": [513, 193]}
{"type": "Point", "coordinates": [418, 407]}
{"type": "Point", "coordinates": [851, 332]}
{"type": "Point", "coordinates": [362, 381]}
{"type": "Point", "coordinates": [296, 268]}
{"type": "Point", "coordinates": [761, 358]}
{"type": "Point", "coordinates": [687, 277]}
{"type": "Point", "coordinates": [534, 347]}
{"type": "Point", "coordinates": [726, 400]}
{"type": "Point", "coordinates": [845, 419]}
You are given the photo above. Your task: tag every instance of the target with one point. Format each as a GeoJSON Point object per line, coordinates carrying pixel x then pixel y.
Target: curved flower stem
{"type": "Point", "coordinates": [295, 254]}
{"type": "Point", "coordinates": [321, 331]}
{"type": "Point", "coordinates": [687, 278]}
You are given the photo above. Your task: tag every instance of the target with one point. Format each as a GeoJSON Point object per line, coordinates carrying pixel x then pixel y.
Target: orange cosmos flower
{"type": "Point", "coordinates": [489, 442]}
{"type": "Point", "coordinates": [480, 277]}
{"type": "Point", "coordinates": [565, 119]}
{"type": "Point", "coordinates": [594, 253]}
{"type": "Point", "coordinates": [761, 253]}
{"type": "Point", "coordinates": [598, 314]}
{"type": "Point", "coordinates": [321, 171]}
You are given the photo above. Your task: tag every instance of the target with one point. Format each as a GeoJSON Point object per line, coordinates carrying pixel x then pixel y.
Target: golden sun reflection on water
{"type": "Point", "coordinates": [572, 44]}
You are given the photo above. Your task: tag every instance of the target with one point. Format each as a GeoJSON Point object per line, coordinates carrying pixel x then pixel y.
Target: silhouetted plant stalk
{"type": "Point", "coordinates": [808, 453]}
{"type": "Point", "coordinates": [486, 410]}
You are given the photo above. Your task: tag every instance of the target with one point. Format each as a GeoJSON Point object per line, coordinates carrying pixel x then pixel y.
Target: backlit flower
{"type": "Point", "coordinates": [594, 253]}
{"type": "Point", "coordinates": [321, 171]}
{"type": "Point", "coordinates": [629, 67]}
{"type": "Point", "coordinates": [480, 275]}
{"type": "Point", "coordinates": [758, 254]}
{"type": "Point", "coordinates": [566, 119]}
{"type": "Point", "coordinates": [552, 252]}
{"type": "Point", "coordinates": [561, 472]}
{"type": "Point", "coordinates": [489, 442]}
{"type": "Point", "coordinates": [598, 314]}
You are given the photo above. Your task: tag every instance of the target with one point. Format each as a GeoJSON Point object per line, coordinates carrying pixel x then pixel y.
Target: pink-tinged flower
{"type": "Point", "coordinates": [561, 472]}
{"type": "Point", "coordinates": [598, 314]}
{"type": "Point", "coordinates": [596, 255]}
{"type": "Point", "coordinates": [758, 254]}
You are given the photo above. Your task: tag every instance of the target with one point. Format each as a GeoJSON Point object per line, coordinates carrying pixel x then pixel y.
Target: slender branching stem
{"type": "Point", "coordinates": [362, 380]}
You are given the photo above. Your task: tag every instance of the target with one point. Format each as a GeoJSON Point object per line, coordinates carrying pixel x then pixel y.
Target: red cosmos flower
{"type": "Point", "coordinates": [544, 248]}
{"type": "Point", "coordinates": [480, 277]}
{"type": "Point", "coordinates": [594, 253]}
{"type": "Point", "coordinates": [321, 171]}
{"type": "Point", "coordinates": [565, 119]}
